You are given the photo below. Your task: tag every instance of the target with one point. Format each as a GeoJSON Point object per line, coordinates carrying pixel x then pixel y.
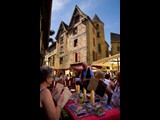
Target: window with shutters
{"type": "Point", "coordinates": [53, 60]}
{"type": "Point", "coordinates": [76, 57]}
{"type": "Point", "coordinates": [61, 60]}
{"type": "Point", "coordinates": [49, 61]}
{"type": "Point", "coordinates": [98, 34]}
{"type": "Point", "coordinates": [99, 48]}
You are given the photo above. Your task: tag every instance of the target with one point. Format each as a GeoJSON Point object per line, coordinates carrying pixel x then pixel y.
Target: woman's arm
{"type": "Point", "coordinates": [108, 91]}
{"type": "Point", "coordinates": [112, 84]}
{"type": "Point", "coordinates": [52, 111]}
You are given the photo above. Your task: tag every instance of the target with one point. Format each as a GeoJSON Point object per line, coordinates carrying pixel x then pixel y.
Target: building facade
{"type": "Point", "coordinates": [115, 43]}
{"type": "Point", "coordinates": [51, 54]}
{"type": "Point", "coordinates": [82, 40]}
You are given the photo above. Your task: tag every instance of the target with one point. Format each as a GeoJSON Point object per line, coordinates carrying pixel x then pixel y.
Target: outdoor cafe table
{"type": "Point", "coordinates": [112, 114]}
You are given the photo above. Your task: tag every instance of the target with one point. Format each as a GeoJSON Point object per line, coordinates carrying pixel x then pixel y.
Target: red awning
{"type": "Point", "coordinates": [78, 68]}
{"type": "Point", "coordinates": [99, 67]}
{"type": "Point", "coordinates": [60, 69]}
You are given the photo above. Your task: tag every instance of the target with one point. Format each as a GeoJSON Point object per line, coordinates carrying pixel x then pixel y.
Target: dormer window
{"type": "Point", "coordinates": [97, 26]}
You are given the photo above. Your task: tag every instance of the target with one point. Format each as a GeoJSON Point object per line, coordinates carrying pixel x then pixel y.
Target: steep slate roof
{"type": "Point", "coordinates": [96, 18]}
{"type": "Point", "coordinates": [82, 13]}
{"type": "Point", "coordinates": [65, 25]}
{"type": "Point", "coordinates": [79, 10]}
{"type": "Point", "coordinates": [115, 37]}
{"type": "Point", "coordinates": [62, 25]}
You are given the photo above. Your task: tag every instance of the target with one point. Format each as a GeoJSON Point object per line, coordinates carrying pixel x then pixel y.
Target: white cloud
{"type": "Point", "coordinates": [59, 4]}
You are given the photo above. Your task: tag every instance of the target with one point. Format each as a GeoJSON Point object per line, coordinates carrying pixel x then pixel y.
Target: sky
{"type": "Point", "coordinates": [107, 10]}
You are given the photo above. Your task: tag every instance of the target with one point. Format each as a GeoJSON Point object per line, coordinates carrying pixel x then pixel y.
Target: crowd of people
{"type": "Point", "coordinates": [51, 109]}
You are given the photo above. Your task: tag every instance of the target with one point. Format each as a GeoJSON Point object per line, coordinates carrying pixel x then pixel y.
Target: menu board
{"type": "Point", "coordinates": [60, 88]}
{"type": "Point", "coordinates": [93, 84]}
{"type": "Point", "coordinates": [98, 86]}
{"type": "Point", "coordinates": [67, 95]}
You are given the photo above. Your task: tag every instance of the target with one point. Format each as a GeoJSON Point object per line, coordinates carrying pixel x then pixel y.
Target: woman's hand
{"type": "Point", "coordinates": [60, 99]}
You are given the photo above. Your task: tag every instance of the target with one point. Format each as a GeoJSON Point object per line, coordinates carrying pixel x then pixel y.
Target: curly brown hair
{"type": "Point", "coordinates": [45, 72]}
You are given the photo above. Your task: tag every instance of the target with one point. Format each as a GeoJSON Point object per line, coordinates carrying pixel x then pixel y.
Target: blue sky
{"type": "Point", "coordinates": [107, 10]}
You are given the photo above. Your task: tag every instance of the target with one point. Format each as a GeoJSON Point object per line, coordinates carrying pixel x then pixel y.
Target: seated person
{"type": "Point", "coordinates": [48, 109]}
{"type": "Point", "coordinates": [110, 84]}
{"type": "Point", "coordinates": [101, 76]}
{"type": "Point", "coordinates": [115, 99]}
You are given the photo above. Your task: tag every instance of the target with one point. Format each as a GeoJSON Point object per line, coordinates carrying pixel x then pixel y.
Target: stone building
{"type": "Point", "coordinates": [51, 54]}
{"type": "Point", "coordinates": [82, 40]}
{"type": "Point", "coordinates": [115, 43]}
{"type": "Point", "coordinates": [45, 18]}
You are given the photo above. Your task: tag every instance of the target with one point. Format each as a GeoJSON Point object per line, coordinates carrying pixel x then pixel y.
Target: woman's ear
{"type": "Point", "coordinates": [48, 80]}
